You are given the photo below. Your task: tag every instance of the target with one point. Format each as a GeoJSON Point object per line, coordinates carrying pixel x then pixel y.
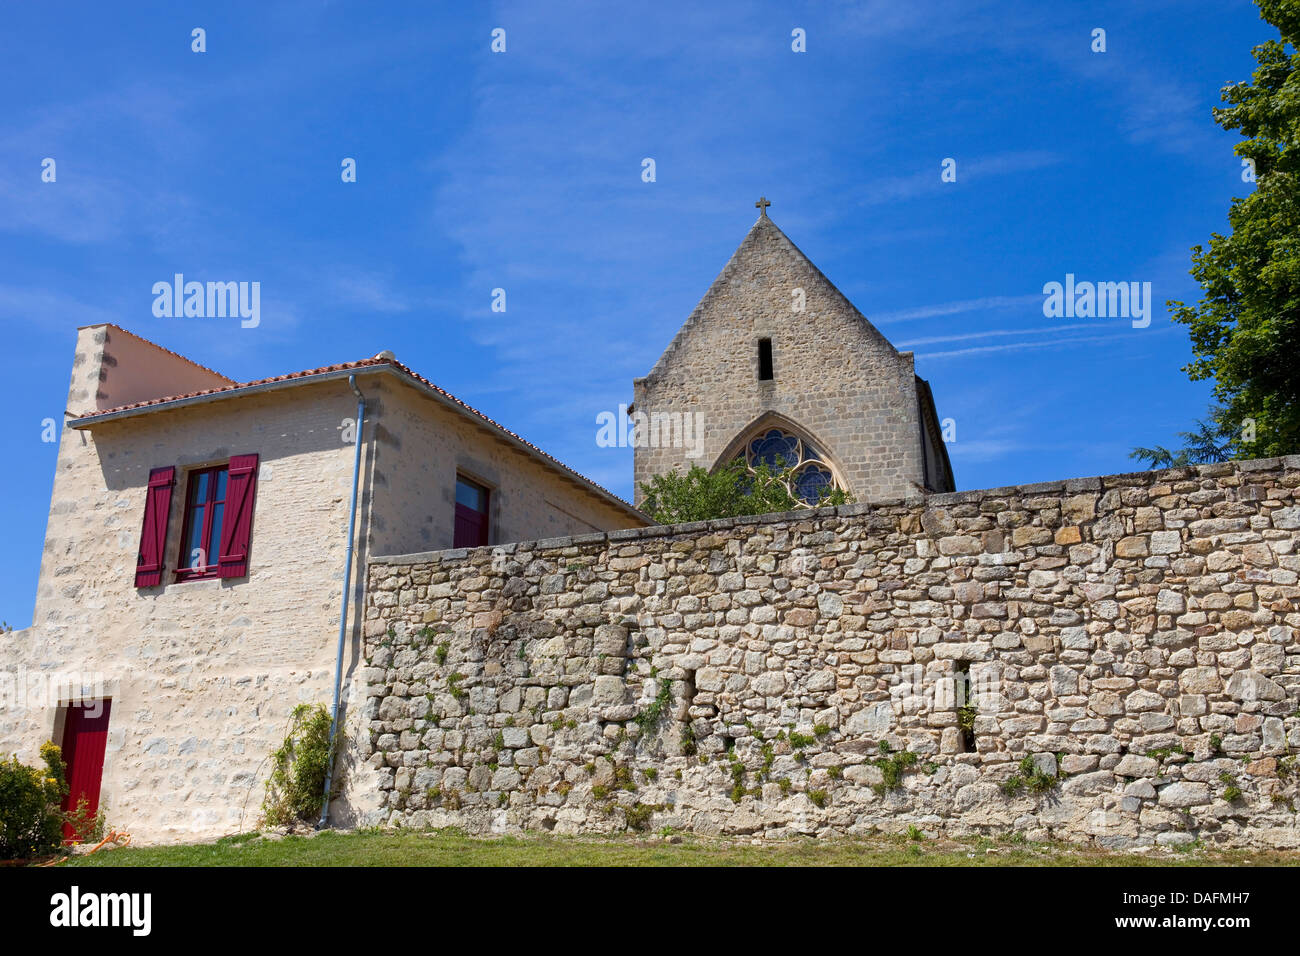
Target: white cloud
{"type": "Point", "coordinates": [1044, 330]}
{"type": "Point", "coordinates": [952, 308]}
{"type": "Point", "coordinates": [1052, 344]}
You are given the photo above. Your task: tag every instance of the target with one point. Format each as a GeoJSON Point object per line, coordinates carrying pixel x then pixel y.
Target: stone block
{"type": "Point", "coordinates": [516, 737]}
{"type": "Point", "coordinates": [1131, 765]}
{"type": "Point", "coordinates": [608, 690]}
{"type": "Point", "coordinates": [1134, 546]}
{"type": "Point", "coordinates": [1251, 685]}
{"type": "Point", "coordinates": [1200, 680]}
{"type": "Point", "coordinates": [1183, 794]}
{"type": "Point", "coordinates": [960, 545]}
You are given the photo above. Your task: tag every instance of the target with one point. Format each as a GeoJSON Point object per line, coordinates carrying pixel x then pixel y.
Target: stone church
{"type": "Point", "coordinates": [776, 364]}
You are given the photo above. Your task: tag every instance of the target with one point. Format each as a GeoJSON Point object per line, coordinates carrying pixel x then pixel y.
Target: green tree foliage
{"type": "Point", "coordinates": [1245, 331]}
{"type": "Point", "coordinates": [31, 818]}
{"type": "Point", "coordinates": [1212, 441]}
{"type": "Point", "coordinates": [731, 491]}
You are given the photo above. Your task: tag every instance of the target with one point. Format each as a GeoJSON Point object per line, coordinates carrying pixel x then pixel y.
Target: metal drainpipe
{"type": "Point", "coordinates": [343, 616]}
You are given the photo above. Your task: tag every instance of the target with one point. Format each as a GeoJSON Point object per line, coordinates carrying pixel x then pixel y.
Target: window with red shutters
{"type": "Point", "coordinates": [205, 512]}
{"type": "Point", "coordinates": [471, 514]}
{"type": "Point", "coordinates": [218, 524]}
{"type": "Point", "coordinates": [153, 536]}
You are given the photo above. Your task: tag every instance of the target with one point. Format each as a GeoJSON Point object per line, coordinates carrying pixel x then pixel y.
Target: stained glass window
{"type": "Point", "coordinates": [811, 480]}
{"type": "Point", "coordinates": [780, 451]}
{"type": "Point", "coordinates": [776, 448]}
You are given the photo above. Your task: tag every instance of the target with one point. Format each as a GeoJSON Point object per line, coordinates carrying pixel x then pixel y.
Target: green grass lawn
{"type": "Point", "coordinates": [454, 848]}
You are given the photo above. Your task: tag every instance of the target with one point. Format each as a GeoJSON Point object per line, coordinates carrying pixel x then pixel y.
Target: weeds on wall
{"type": "Point", "coordinates": [298, 768]}
{"type": "Point", "coordinates": [648, 719]}
{"type": "Point", "coordinates": [1032, 778]}
{"type": "Point", "coordinates": [891, 766]}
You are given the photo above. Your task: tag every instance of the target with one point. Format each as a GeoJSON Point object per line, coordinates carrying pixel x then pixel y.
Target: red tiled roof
{"type": "Point", "coordinates": [348, 367]}
{"type": "Point", "coordinates": [237, 386]}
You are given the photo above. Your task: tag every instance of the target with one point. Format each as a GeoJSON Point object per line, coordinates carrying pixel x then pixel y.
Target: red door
{"type": "Point", "coordinates": [85, 733]}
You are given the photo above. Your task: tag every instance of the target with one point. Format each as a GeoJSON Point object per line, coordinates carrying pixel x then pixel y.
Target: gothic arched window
{"type": "Point", "coordinates": [810, 473]}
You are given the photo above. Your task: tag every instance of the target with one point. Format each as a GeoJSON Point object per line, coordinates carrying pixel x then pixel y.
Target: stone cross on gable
{"type": "Point", "coordinates": [762, 205]}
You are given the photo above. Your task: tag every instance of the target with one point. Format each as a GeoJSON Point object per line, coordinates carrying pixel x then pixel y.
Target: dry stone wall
{"type": "Point", "coordinates": [1108, 659]}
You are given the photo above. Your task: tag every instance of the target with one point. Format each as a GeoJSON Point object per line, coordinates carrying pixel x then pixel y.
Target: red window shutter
{"type": "Point", "coordinates": [237, 523]}
{"type": "Point", "coordinates": [153, 537]}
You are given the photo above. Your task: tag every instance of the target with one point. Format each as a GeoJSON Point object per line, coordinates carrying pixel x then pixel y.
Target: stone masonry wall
{"type": "Point", "coordinates": [1129, 642]}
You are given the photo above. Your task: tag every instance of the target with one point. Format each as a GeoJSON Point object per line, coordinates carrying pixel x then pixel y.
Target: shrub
{"type": "Point", "coordinates": [295, 790]}
{"type": "Point", "coordinates": [31, 821]}
{"type": "Point", "coordinates": [86, 827]}
{"type": "Point", "coordinates": [638, 815]}
{"type": "Point", "coordinates": [730, 491]}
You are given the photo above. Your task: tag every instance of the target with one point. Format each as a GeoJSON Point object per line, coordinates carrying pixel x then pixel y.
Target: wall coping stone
{"type": "Point", "coordinates": [857, 509]}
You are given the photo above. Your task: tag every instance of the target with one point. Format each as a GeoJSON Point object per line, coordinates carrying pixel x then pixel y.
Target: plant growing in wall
{"type": "Point", "coordinates": [737, 769]}
{"type": "Point", "coordinates": [297, 782]}
{"type": "Point", "coordinates": [891, 766]}
{"type": "Point", "coordinates": [1231, 792]}
{"type": "Point", "coordinates": [1031, 777]}
{"type": "Point", "coordinates": [454, 688]}
{"type": "Point", "coordinates": [638, 815]}
{"type": "Point", "coordinates": [648, 719]}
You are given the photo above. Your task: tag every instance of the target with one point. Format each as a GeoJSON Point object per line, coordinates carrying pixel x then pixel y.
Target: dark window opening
{"type": "Point", "coordinates": [966, 709]}
{"type": "Point", "coordinates": [471, 514]}
{"type": "Point", "coordinates": [205, 505]}
{"type": "Point", "coordinates": [765, 360]}
{"type": "Point", "coordinates": [688, 741]}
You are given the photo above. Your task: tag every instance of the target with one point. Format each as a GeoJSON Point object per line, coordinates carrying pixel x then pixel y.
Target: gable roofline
{"type": "Point", "coordinates": [764, 223]}
{"type": "Point", "coordinates": [379, 364]}
{"type": "Point", "coordinates": [161, 348]}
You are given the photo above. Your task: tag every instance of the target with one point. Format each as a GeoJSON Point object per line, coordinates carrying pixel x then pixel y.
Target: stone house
{"type": "Point", "coordinates": [192, 580]}
{"type": "Point", "coordinates": [775, 362]}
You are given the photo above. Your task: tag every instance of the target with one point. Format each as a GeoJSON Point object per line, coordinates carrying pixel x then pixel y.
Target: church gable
{"type": "Point", "coordinates": [773, 336]}
{"type": "Point", "coordinates": [769, 283]}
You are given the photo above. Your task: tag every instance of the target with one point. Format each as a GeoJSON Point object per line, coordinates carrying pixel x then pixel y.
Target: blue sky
{"type": "Point", "coordinates": [522, 170]}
